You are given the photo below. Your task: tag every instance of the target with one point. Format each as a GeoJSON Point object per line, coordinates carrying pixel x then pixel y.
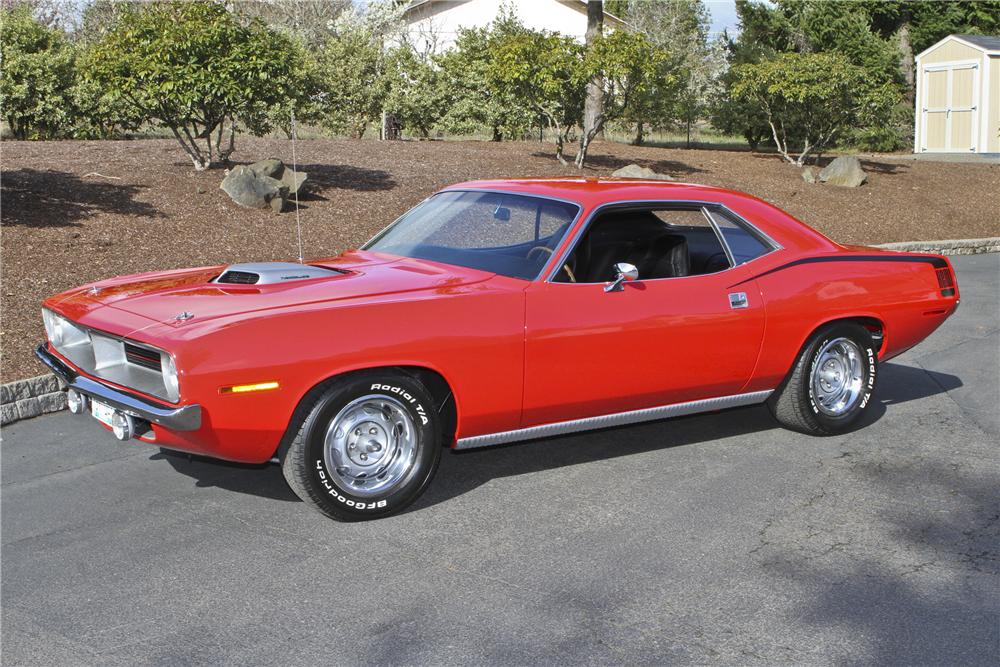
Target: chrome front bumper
{"type": "Point", "coordinates": [185, 418]}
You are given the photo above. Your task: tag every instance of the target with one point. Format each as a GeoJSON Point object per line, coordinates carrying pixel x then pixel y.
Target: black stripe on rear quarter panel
{"type": "Point", "coordinates": [936, 262]}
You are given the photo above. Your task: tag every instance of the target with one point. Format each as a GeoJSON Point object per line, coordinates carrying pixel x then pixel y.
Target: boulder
{"type": "Point", "coordinates": [808, 175]}
{"type": "Point", "coordinates": [293, 180]}
{"type": "Point", "coordinates": [248, 188]}
{"type": "Point", "coordinates": [271, 167]}
{"type": "Point", "coordinates": [635, 171]}
{"type": "Point", "coordinates": [845, 171]}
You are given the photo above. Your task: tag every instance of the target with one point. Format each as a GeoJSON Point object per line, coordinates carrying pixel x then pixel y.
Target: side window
{"type": "Point", "coordinates": [743, 244]}
{"type": "Point", "coordinates": [660, 242]}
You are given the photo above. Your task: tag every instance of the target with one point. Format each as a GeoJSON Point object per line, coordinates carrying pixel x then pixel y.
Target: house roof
{"type": "Point", "coordinates": [990, 45]}
{"type": "Point", "coordinates": [579, 5]}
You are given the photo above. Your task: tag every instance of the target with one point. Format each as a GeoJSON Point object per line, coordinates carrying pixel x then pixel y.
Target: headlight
{"type": "Point", "coordinates": [61, 332]}
{"type": "Point", "coordinates": [169, 370]}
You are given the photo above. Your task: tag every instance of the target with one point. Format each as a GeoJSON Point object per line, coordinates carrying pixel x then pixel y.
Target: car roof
{"type": "Point", "coordinates": [590, 191]}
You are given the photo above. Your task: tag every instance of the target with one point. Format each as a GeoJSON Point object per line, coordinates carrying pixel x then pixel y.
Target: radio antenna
{"type": "Point", "coordinates": [295, 184]}
{"type": "Point", "coordinates": [295, 165]}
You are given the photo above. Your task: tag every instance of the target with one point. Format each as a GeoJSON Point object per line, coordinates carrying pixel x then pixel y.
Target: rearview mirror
{"type": "Point", "coordinates": [624, 272]}
{"type": "Point", "coordinates": [502, 213]}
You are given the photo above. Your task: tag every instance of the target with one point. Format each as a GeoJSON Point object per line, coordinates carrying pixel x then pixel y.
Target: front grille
{"type": "Point", "coordinates": [141, 356]}
{"type": "Point", "coordinates": [239, 278]}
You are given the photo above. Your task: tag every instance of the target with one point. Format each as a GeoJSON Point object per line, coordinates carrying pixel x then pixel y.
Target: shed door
{"type": "Point", "coordinates": [949, 110]}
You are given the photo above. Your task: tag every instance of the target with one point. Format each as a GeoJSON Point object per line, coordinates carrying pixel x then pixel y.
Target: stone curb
{"type": "Point", "coordinates": [35, 396]}
{"type": "Point", "coordinates": [948, 247]}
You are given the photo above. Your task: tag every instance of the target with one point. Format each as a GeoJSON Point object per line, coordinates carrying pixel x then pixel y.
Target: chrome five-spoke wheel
{"type": "Point", "coordinates": [370, 444]}
{"type": "Point", "coordinates": [832, 381]}
{"type": "Point", "coordinates": [366, 445]}
{"type": "Point", "coordinates": [837, 376]}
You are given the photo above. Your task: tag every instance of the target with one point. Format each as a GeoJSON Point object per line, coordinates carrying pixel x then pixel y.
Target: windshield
{"type": "Point", "coordinates": [513, 235]}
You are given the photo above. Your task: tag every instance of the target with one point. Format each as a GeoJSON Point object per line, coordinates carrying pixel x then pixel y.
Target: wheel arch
{"type": "Point", "coordinates": [873, 323]}
{"type": "Point", "coordinates": [445, 401]}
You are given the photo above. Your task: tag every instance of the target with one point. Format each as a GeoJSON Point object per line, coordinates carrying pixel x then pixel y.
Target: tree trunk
{"type": "Point", "coordinates": [593, 109]}
{"type": "Point", "coordinates": [560, 142]}
{"type": "Point", "coordinates": [639, 135]}
{"type": "Point", "coordinates": [201, 163]}
{"type": "Point", "coordinates": [227, 152]}
{"type": "Point", "coordinates": [906, 61]}
{"type": "Point", "coordinates": [782, 148]}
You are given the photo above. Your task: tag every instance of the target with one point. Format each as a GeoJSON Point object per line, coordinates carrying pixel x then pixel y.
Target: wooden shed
{"type": "Point", "coordinates": [958, 96]}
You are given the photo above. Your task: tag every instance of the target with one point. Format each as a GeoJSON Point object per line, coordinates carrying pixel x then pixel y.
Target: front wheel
{"type": "Point", "coordinates": [832, 382]}
{"type": "Point", "coordinates": [367, 448]}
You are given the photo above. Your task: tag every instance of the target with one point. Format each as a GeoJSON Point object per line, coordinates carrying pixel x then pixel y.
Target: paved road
{"type": "Point", "coordinates": [712, 539]}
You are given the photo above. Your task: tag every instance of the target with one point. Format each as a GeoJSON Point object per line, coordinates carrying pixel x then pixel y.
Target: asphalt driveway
{"type": "Point", "coordinates": [710, 539]}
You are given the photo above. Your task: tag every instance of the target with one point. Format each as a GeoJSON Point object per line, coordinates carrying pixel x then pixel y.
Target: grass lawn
{"type": "Point", "coordinates": [78, 211]}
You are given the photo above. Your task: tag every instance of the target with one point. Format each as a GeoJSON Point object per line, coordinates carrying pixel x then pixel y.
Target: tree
{"type": "Point", "coordinates": [416, 94]}
{"type": "Point", "coordinates": [193, 67]}
{"type": "Point", "coordinates": [811, 26]}
{"type": "Point", "coordinates": [807, 27]}
{"type": "Point", "coordinates": [352, 71]}
{"type": "Point", "coordinates": [546, 71]}
{"type": "Point", "coordinates": [98, 18]}
{"type": "Point", "coordinates": [681, 28]}
{"type": "Point", "coordinates": [593, 109]}
{"type": "Point", "coordinates": [810, 99]}
{"type": "Point", "coordinates": [36, 76]}
{"type": "Point", "coordinates": [474, 100]}
{"type": "Point", "coordinates": [62, 15]}
{"type": "Point", "coordinates": [729, 114]}
{"type": "Point", "coordinates": [312, 21]}
{"type": "Point", "coordinates": [631, 67]}
{"type": "Point", "coordinates": [737, 116]}
{"type": "Point", "coordinates": [100, 113]}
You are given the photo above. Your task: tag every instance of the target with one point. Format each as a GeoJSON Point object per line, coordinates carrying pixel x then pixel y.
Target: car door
{"type": "Point", "coordinates": [656, 342]}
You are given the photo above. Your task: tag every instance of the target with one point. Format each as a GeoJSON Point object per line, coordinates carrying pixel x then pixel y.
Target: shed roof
{"type": "Point", "coordinates": [982, 41]}
{"type": "Point", "coordinates": [989, 44]}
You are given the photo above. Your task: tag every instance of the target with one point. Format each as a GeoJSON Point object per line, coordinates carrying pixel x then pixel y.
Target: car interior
{"type": "Point", "coordinates": [660, 243]}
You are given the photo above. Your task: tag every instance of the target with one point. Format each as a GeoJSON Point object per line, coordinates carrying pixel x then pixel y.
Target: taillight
{"type": "Point", "coordinates": [946, 281]}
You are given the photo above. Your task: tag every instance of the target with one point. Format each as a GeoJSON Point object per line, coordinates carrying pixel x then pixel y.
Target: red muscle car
{"type": "Point", "coordinates": [494, 311]}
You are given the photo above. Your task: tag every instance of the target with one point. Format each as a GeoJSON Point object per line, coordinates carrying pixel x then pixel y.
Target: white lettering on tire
{"type": "Point", "coordinates": [406, 396]}
{"type": "Point", "coordinates": [871, 378]}
{"type": "Point", "coordinates": [334, 493]}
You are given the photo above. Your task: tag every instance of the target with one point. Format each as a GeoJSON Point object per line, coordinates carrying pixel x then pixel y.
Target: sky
{"type": "Point", "coordinates": [723, 16]}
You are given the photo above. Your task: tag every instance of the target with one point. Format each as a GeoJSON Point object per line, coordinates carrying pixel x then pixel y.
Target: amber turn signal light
{"type": "Point", "coordinates": [245, 388]}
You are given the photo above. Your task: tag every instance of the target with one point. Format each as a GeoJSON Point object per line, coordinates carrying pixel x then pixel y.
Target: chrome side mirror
{"type": "Point", "coordinates": [624, 272]}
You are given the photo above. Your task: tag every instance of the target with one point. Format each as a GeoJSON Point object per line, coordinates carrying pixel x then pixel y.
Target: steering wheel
{"type": "Point", "coordinates": [564, 267]}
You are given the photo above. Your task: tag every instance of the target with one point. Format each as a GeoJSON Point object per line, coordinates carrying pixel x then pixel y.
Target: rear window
{"type": "Point", "coordinates": [744, 244]}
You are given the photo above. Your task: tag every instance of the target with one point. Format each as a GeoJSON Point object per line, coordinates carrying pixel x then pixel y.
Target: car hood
{"type": "Point", "coordinates": [126, 304]}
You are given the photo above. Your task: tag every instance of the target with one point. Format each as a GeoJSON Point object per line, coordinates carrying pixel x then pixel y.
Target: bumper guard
{"type": "Point", "coordinates": [185, 418]}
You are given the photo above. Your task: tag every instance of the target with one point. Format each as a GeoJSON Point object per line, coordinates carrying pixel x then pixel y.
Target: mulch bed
{"type": "Point", "coordinates": [78, 211]}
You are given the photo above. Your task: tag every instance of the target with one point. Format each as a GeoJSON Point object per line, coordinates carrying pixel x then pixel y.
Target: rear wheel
{"type": "Point", "coordinates": [367, 448]}
{"type": "Point", "coordinates": [832, 382]}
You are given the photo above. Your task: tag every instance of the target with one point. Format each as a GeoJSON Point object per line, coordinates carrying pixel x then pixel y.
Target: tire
{"type": "Point", "coordinates": [367, 447]}
{"type": "Point", "coordinates": [820, 396]}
